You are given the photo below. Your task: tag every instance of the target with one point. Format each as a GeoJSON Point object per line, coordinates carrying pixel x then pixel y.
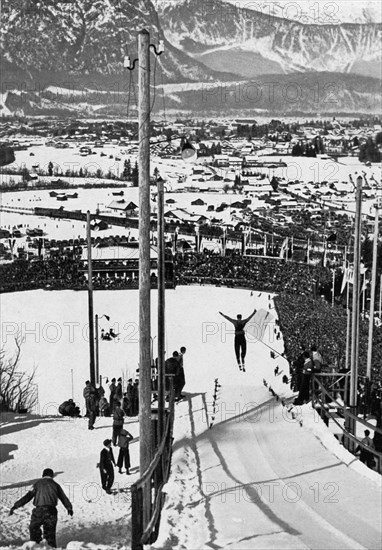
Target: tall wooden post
{"type": "Point", "coordinates": [161, 310]}
{"type": "Point", "coordinates": [372, 295]}
{"type": "Point", "coordinates": [145, 441]}
{"type": "Point", "coordinates": [348, 325]}
{"type": "Point", "coordinates": [355, 314]}
{"type": "Point", "coordinates": [96, 350]}
{"type": "Point", "coordinates": [90, 299]}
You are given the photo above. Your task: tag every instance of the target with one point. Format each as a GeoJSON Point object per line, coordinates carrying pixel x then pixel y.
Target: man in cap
{"type": "Point", "coordinates": [106, 466]}
{"type": "Point", "coordinates": [45, 494]}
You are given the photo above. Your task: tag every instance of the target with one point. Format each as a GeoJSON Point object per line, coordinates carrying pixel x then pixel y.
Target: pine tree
{"type": "Point", "coordinates": [126, 174]}
{"type": "Point", "coordinates": [135, 175]}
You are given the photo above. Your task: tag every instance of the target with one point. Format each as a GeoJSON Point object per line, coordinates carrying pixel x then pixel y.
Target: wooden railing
{"type": "Point", "coordinates": [323, 397]}
{"type": "Point", "coordinates": [147, 493]}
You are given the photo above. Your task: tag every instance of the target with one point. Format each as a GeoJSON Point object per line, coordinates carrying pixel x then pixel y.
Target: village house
{"type": "Point", "coordinates": [123, 207]}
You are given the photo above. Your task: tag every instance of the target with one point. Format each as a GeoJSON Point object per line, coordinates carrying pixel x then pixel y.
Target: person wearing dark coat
{"type": "Point", "coordinates": [135, 400]}
{"type": "Point", "coordinates": [112, 388]}
{"type": "Point", "coordinates": [104, 409]}
{"type": "Point", "coordinates": [93, 407]}
{"type": "Point", "coordinates": [118, 415]}
{"type": "Point", "coordinates": [45, 494]}
{"type": "Point", "coordinates": [171, 366]}
{"type": "Point", "coordinates": [129, 397]}
{"type": "Point", "coordinates": [124, 439]}
{"type": "Point", "coordinates": [69, 408]}
{"type": "Point", "coordinates": [89, 391]}
{"type": "Point", "coordinates": [90, 395]}
{"type": "Point", "coordinates": [307, 370]}
{"type": "Point", "coordinates": [118, 390]}
{"type": "Point", "coordinates": [180, 379]}
{"type": "Point", "coordinates": [106, 466]}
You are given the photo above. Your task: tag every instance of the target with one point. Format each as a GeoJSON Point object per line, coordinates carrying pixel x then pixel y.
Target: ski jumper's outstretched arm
{"type": "Point", "coordinates": [245, 321]}
{"type": "Point", "coordinates": [228, 318]}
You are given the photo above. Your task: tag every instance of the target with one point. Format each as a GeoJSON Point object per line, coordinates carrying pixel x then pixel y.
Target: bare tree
{"type": "Point", "coordinates": [17, 388]}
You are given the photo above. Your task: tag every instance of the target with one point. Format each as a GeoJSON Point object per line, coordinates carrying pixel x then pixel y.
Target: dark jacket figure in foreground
{"type": "Point", "coordinates": [45, 494]}
{"type": "Point", "coordinates": [106, 466]}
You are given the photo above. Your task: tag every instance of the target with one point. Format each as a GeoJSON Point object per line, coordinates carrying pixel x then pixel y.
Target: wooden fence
{"type": "Point", "coordinates": [147, 493]}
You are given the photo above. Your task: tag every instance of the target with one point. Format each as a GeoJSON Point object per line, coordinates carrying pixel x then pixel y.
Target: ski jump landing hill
{"type": "Point", "coordinates": [252, 471]}
{"type": "Point", "coordinates": [247, 471]}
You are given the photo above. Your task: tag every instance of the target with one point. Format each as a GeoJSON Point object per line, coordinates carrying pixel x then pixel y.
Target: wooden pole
{"type": "Point", "coordinates": [355, 314]}
{"type": "Point", "coordinates": [96, 350]}
{"type": "Point", "coordinates": [380, 297]}
{"type": "Point", "coordinates": [90, 299]}
{"type": "Point", "coordinates": [333, 283]}
{"type": "Point", "coordinates": [145, 441]}
{"type": "Point", "coordinates": [161, 311]}
{"type": "Point", "coordinates": [372, 295]}
{"type": "Point", "coordinates": [348, 325]}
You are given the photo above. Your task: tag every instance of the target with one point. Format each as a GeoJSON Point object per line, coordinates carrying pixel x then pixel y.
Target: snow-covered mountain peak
{"type": "Point", "coordinates": [309, 12]}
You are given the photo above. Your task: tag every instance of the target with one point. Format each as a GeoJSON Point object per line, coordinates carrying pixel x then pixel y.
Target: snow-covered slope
{"type": "Point", "coordinates": [245, 474]}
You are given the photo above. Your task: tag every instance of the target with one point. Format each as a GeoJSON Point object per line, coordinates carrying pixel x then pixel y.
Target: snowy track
{"type": "Point", "coordinates": [256, 479]}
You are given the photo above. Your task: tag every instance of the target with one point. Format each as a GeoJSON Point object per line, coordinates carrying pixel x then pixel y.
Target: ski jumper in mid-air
{"type": "Point", "coordinates": [240, 341]}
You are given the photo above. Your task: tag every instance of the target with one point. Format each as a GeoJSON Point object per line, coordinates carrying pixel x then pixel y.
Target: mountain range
{"type": "Point", "coordinates": [60, 57]}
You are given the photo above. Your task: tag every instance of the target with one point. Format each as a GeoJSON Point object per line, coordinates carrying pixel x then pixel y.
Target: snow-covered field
{"type": "Point", "coordinates": [258, 478]}
{"type": "Point", "coordinates": [303, 169]}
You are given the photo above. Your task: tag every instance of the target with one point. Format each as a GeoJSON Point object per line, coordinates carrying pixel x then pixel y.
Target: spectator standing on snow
{"type": "Point", "coordinates": [90, 394]}
{"type": "Point", "coordinates": [135, 400]}
{"type": "Point", "coordinates": [89, 391]}
{"type": "Point", "coordinates": [118, 415]}
{"type": "Point", "coordinates": [124, 439]}
{"type": "Point", "coordinates": [45, 494]}
{"type": "Point", "coordinates": [129, 397]}
{"type": "Point", "coordinates": [106, 466]}
{"type": "Point", "coordinates": [171, 366]}
{"type": "Point", "coordinates": [118, 390]}
{"type": "Point", "coordinates": [304, 393]}
{"type": "Point", "coordinates": [112, 389]}
{"type": "Point", "coordinates": [104, 409]}
{"type": "Point", "coordinates": [180, 377]}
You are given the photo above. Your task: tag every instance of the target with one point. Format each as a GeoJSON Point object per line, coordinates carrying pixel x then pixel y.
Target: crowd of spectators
{"type": "Point", "coordinates": [56, 271]}
{"type": "Point", "coordinates": [305, 320]}
{"type": "Point", "coordinates": [235, 270]}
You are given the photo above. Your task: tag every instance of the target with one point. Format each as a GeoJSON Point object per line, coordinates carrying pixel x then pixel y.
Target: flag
{"type": "Point", "coordinates": [284, 248]}
{"type": "Point", "coordinates": [348, 277]}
